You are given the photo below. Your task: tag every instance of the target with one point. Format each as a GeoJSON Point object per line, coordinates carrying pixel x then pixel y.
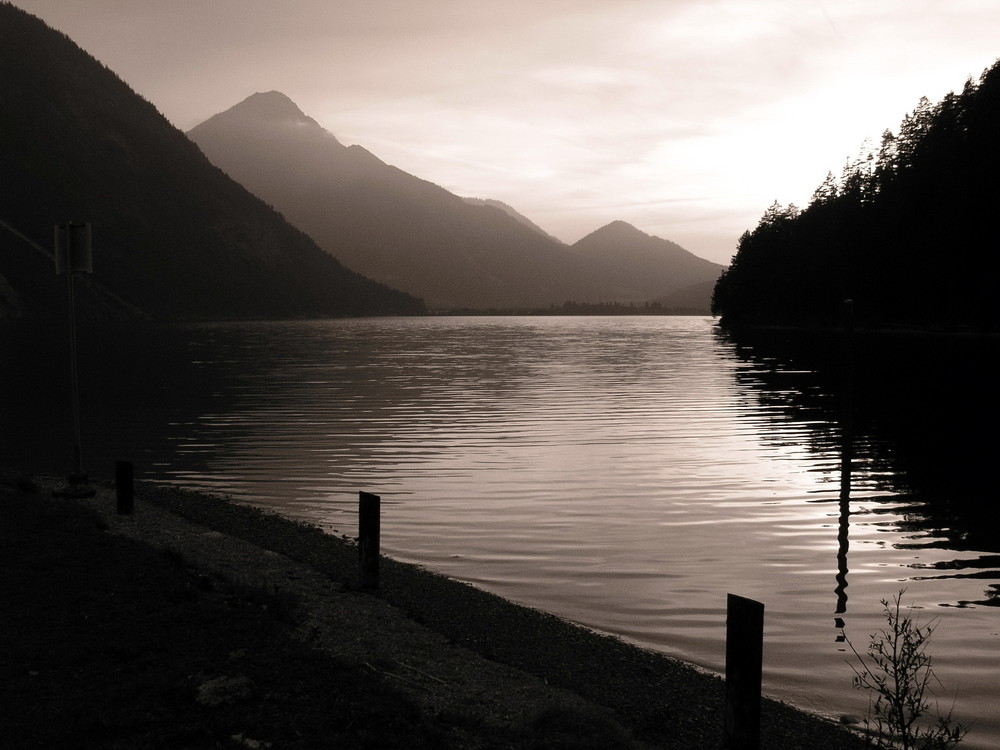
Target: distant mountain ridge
{"type": "Point", "coordinates": [416, 236]}
{"type": "Point", "coordinates": [375, 218]}
{"type": "Point", "coordinates": [173, 236]}
{"type": "Point", "coordinates": [619, 248]}
{"type": "Point", "coordinates": [511, 211]}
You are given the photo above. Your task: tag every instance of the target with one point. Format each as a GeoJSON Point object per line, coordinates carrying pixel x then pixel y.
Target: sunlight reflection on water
{"type": "Point", "coordinates": [625, 473]}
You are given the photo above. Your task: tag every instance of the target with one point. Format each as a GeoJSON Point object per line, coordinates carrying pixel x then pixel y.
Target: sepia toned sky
{"type": "Point", "coordinates": [686, 118]}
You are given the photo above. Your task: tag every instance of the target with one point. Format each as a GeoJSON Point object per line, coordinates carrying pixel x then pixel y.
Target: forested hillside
{"type": "Point", "coordinates": [174, 237]}
{"type": "Point", "coordinates": [909, 230]}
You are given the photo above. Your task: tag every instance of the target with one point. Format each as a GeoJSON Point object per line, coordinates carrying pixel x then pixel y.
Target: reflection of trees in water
{"type": "Point", "coordinates": [908, 414]}
{"type": "Point", "coordinates": [801, 387]}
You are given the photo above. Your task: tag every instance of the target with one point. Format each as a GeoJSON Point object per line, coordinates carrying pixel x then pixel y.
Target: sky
{"type": "Point", "coordinates": [685, 118]}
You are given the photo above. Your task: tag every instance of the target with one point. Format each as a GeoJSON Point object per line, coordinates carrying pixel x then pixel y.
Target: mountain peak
{"type": "Point", "coordinates": [270, 105]}
{"type": "Point", "coordinates": [616, 231]}
{"type": "Point", "coordinates": [619, 225]}
{"type": "Point", "coordinates": [622, 240]}
{"type": "Point", "coordinates": [261, 113]}
{"type": "Point", "coordinates": [261, 109]}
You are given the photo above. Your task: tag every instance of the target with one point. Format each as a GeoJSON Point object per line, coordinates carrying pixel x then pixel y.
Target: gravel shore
{"type": "Point", "coordinates": [469, 669]}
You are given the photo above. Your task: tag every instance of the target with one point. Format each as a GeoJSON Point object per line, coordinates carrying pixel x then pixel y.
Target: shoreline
{"type": "Point", "coordinates": [498, 666]}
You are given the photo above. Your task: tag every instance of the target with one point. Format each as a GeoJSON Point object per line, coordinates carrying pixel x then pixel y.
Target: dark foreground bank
{"type": "Point", "coordinates": [200, 623]}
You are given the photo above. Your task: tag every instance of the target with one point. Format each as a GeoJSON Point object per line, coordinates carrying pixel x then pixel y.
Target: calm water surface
{"type": "Point", "coordinates": [624, 473]}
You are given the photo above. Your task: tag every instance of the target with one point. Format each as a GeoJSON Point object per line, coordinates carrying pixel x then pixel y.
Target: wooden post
{"type": "Point", "coordinates": [369, 527]}
{"type": "Point", "coordinates": [124, 487]}
{"type": "Point", "coordinates": [848, 315]}
{"type": "Point", "coordinates": [744, 662]}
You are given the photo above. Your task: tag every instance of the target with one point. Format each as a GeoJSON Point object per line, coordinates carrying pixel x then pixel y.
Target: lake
{"type": "Point", "coordinates": [625, 473]}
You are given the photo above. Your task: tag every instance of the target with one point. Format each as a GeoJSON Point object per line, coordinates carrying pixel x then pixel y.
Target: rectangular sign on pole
{"type": "Point", "coordinates": [73, 249]}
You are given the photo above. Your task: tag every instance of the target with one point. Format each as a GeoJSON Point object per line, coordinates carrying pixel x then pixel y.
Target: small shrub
{"type": "Point", "coordinates": [896, 671]}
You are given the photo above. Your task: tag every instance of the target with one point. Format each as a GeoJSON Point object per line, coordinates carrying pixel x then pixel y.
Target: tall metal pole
{"type": "Point", "coordinates": [74, 255]}
{"type": "Point", "coordinates": [74, 377]}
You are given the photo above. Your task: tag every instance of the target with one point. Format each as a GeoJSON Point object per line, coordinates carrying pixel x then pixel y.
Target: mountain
{"type": "Point", "coordinates": [510, 211]}
{"type": "Point", "coordinates": [381, 221]}
{"type": "Point", "coordinates": [173, 236]}
{"type": "Point", "coordinates": [644, 267]}
{"type": "Point", "coordinates": [405, 231]}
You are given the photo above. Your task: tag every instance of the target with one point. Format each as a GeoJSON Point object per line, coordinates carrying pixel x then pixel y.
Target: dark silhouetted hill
{"type": "Point", "coordinates": [173, 236]}
{"type": "Point", "coordinates": [405, 231]}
